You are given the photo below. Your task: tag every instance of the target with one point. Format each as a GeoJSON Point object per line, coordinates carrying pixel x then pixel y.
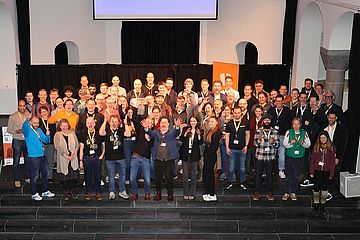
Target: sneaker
{"type": "Point", "coordinates": [306, 183]}
{"type": "Point", "coordinates": [179, 163]}
{"type": "Point", "coordinates": [111, 196]}
{"type": "Point", "coordinates": [200, 179]}
{"type": "Point", "coordinates": [282, 174]}
{"type": "Point", "coordinates": [256, 196]}
{"type": "Point", "coordinates": [285, 197]}
{"type": "Point", "coordinates": [181, 171]}
{"type": "Point", "coordinates": [243, 187]}
{"type": "Point", "coordinates": [107, 179]}
{"type": "Point", "coordinates": [222, 177]}
{"type": "Point", "coordinates": [329, 196]}
{"type": "Point", "coordinates": [170, 198]}
{"type": "Point", "coordinates": [228, 185]}
{"type": "Point", "coordinates": [176, 177]}
{"type": "Point", "coordinates": [117, 176]}
{"type": "Point", "coordinates": [293, 196]}
{"type": "Point", "coordinates": [48, 194]}
{"type": "Point", "coordinates": [186, 197]}
{"type": "Point", "coordinates": [88, 197]}
{"type": "Point", "coordinates": [124, 195]}
{"type": "Point", "coordinates": [206, 197]}
{"type": "Point", "coordinates": [17, 184]}
{"type": "Point", "coordinates": [158, 197]}
{"type": "Point", "coordinates": [213, 198]}
{"type": "Point", "coordinates": [84, 183]}
{"type": "Point", "coordinates": [36, 197]}
{"type": "Point", "coordinates": [127, 182]}
{"type": "Point", "coordinates": [99, 197]}
{"type": "Point", "coordinates": [102, 183]}
{"type": "Point", "coordinates": [191, 197]}
{"type": "Point", "coordinates": [140, 180]}
{"type": "Point", "coordinates": [270, 196]}
{"type": "Point", "coordinates": [147, 197]}
{"type": "Point", "coordinates": [27, 180]}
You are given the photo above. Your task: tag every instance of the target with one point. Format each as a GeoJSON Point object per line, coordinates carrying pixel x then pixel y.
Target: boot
{"type": "Point", "coordinates": [321, 209]}
{"type": "Point", "coordinates": [315, 210]}
{"type": "Point", "coordinates": [158, 196]}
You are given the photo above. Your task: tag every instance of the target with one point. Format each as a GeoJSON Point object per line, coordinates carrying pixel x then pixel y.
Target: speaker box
{"type": "Point", "coordinates": [350, 184]}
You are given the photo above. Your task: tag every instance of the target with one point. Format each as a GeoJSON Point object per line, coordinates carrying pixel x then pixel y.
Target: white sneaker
{"type": "Point", "coordinates": [36, 197]}
{"type": "Point", "coordinates": [107, 179]}
{"type": "Point", "coordinates": [213, 198]}
{"type": "Point", "coordinates": [207, 198]}
{"type": "Point", "coordinates": [117, 176]}
{"type": "Point", "coordinates": [111, 196]}
{"type": "Point", "coordinates": [140, 180]}
{"type": "Point", "coordinates": [84, 183]}
{"type": "Point", "coordinates": [123, 195]}
{"type": "Point", "coordinates": [48, 194]}
{"type": "Point", "coordinates": [282, 174]}
{"type": "Point", "coordinates": [102, 183]}
{"type": "Point", "coordinates": [127, 182]}
{"type": "Point", "coordinates": [179, 163]}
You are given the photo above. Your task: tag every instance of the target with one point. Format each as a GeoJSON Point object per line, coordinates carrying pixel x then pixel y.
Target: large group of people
{"type": "Point", "coordinates": [146, 133]}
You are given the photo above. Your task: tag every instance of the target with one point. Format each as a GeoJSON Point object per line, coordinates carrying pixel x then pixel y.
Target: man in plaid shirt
{"type": "Point", "coordinates": [266, 141]}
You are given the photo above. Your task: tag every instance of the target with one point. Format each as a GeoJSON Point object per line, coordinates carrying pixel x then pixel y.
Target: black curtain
{"type": "Point", "coordinates": [61, 54]}
{"type": "Point", "coordinates": [289, 32]}
{"type": "Point", "coordinates": [23, 22]}
{"type": "Point", "coordinates": [352, 113]}
{"type": "Point", "coordinates": [251, 54]}
{"type": "Point", "coordinates": [273, 75]}
{"type": "Point", "coordinates": [48, 76]}
{"type": "Point", "coordinates": [171, 42]}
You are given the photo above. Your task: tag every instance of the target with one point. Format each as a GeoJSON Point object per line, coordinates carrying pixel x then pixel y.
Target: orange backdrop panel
{"type": "Point", "coordinates": [221, 70]}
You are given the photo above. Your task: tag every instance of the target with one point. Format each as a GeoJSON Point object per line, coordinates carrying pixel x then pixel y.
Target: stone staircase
{"type": "Point", "coordinates": [234, 216]}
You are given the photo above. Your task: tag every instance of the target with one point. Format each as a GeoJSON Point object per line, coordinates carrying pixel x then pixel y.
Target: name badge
{"type": "Point", "coordinates": [92, 152]}
{"type": "Point", "coordinates": [133, 138]}
{"type": "Point", "coordinates": [267, 149]}
{"type": "Point", "coordinates": [162, 144]}
{"type": "Point", "coordinates": [115, 147]}
{"type": "Point", "coordinates": [296, 152]}
{"type": "Point", "coordinates": [190, 150]}
{"type": "Point", "coordinates": [276, 127]}
{"type": "Point", "coordinates": [321, 163]}
{"type": "Point", "coordinates": [236, 141]}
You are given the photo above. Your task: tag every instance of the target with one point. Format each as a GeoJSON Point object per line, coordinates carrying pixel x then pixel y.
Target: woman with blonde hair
{"type": "Point", "coordinates": [67, 146]}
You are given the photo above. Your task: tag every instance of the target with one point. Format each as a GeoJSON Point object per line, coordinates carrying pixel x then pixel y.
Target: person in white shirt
{"type": "Point", "coordinates": [228, 88]}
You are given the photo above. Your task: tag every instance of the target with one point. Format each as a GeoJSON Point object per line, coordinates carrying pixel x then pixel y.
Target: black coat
{"type": "Point", "coordinates": [184, 148]}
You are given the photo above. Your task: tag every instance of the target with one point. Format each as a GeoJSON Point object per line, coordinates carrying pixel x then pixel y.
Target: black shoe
{"type": "Point", "coordinates": [228, 185]}
{"type": "Point", "coordinates": [315, 210]}
{"type": "Point", "coordinates": [321, 209]}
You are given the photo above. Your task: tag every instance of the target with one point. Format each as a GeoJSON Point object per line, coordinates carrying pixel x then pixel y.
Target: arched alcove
{"type": "Point", "coordinates": [310, 41]}
{"type": "Point", "coordinates": [66, 52]}
{"type": "Point", "coordinates": [247, 53]}
{"type": "Point", "coordinates": [7, 62]}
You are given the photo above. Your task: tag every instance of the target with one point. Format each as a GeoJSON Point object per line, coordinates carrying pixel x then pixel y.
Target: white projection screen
{"type": "Point", "coordinates": [155, 9]}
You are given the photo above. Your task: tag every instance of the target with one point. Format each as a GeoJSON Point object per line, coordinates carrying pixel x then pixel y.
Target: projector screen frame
{"type": "Point", "coordinates": [157, 19]}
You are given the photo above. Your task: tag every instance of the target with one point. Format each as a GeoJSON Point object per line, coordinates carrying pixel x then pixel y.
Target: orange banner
{"type": "Point", "coordinates": [221, 70]}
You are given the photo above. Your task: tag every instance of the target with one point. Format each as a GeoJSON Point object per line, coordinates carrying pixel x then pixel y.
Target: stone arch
{"type": "Point", "coordinates": [66, 52]}
{"type": "Point", "coordinates": [310, 41]}
{"type": "Point", "coordinates": [247, 53]}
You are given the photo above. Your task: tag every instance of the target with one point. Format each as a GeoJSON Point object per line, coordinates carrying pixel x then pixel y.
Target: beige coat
{"type": "Point", "coordinates": [60, 145]}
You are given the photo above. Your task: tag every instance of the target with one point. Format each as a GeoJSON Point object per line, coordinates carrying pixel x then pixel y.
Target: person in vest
{"type": "Point", "coordinates": [322, 170]}
{"type": "Point", "coordinates": [295, 141]}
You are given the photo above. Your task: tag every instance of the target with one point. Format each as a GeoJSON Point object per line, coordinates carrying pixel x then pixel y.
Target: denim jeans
{"type": "Point", "coordinates": [193, 177]}
{"type": "Point", "coordinates": [237, 160]}
{"type": "Point", "coordinates": [260, 167]}
{"type": "Point", "coordinates": [281, 154]}
{"type": "Point", "coordinates": [49, 153]}
{"type": "Point", "coordinates": [128, 148]}
{"type": "Point", "coordinates": [136, 163]}
{"type": "Point", "coordinates": [92, 168]}
{"type": "Point", "coordinates": [38, 164]}
{"type": "Point", "coordinates": [19, 146]}
{"type": "Point", "coordinates": [223, 156]}
{"type": "Point", "coordinates": [112, 166]}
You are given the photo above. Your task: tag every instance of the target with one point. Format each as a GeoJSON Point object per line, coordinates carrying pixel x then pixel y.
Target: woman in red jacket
{"type": "Point", "coordinates": [322, 168]}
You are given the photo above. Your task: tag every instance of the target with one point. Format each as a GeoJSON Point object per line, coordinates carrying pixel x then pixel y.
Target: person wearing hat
{"type": "Point", "coordinates": [266, 142]}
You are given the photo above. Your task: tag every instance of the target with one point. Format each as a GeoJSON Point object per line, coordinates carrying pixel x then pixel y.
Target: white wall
{"type": "Point", "coordinates": [259, 22]}
{"type": "Point", "coordinates": [9, 57]}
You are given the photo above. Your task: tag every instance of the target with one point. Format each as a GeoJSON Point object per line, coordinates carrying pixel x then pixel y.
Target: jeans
{"type": "Point", "coordinates": [223, 156]}
{"type": "Point", "coordinates": [292, 171]}
{"type": "Point", "coordinates": [193, 176]}
{"type": "Point", "coordinates": [260, 167]}
{"type": "Point", "coordinates": [281, 153]}
{"type": "Point", "coordinates": [19, 146]}
{"type": "Point", "coordinates": [164, 168]}
{"type": "Point", "coordinates": [112, 166]}
{"type": "Point", "coordinates": [136, 163]}
{"type": "Point", "coordinates": [49, 153]}
{"type": "Point", "coordinates": [92, 168]}
{"type": "Point", "coordinates": [38, 164]}
{"type": "Point", "coordinates": [237, 158]}
{"type": "Point", "coordinates": [152, 166]}
{"type": "Point", "coordinates": [128, 148]}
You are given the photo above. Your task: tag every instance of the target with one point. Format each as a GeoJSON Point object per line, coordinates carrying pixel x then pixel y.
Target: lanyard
{"type": "Point", "coordinates": [91, 137]}
{"type": "Point", "coordinates": [46, 123]}
{"type": "Point", "coordinates": [328, 108]}
{"type": "Point", "coordinates": [267, 134]}
{"type": "Point", "coordinates": [237, 126]}
{"type": "Point", "coordinates": [302, 110]}
{"type": "Point", "coordinates": [21, 117]}
{"type": "Point", "coordinates": [277, 112]}
{"type": "Point", "coordinates": [114, 133]}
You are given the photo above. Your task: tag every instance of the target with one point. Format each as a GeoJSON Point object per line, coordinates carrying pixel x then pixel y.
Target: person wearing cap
{"type": "Point", "coordinates": [188, 86]}
{"type": "Point", "coordinates": [266, 142]}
